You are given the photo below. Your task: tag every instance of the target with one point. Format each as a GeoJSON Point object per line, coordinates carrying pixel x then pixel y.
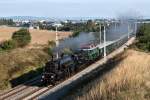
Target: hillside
{"type": "Point", "coordinates": [129, 80]}
{"type": "Point", "coordinates": [18, 62]}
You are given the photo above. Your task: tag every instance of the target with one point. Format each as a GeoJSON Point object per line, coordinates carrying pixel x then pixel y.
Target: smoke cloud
{"type": "Point", "coordinates": [115, 30]}
{"type": "Point", "coordinates": [75, 43]}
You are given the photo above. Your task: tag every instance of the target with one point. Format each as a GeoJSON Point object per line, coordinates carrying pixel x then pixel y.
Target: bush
{"type": "Point", "coordinates": [22, 37]}
{"type": "Point", "coordinates": [48, 50]}
{"type": "Point", "coordinates": [75, 34]}
{"type": "Point", "coordinates": [143, 36]}
{"type": "Point", "coordinates": [51, 44]}
{"type": "Point", "coordinates": [8, 44]}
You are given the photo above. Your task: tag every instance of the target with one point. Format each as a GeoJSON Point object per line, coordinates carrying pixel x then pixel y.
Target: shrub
{"type": "Point", "coordinates": [75, 34]}
{"type": "Point", "coordinates": [51, 44]}
{"type": "Point", "coordinates": [22, 37]}
{"type": "Point", "coordinates": [48, 50]}
{"type": "Point", "coordinates": [143, 36]}
{"type": "Point", "coordinates": [7, 45]}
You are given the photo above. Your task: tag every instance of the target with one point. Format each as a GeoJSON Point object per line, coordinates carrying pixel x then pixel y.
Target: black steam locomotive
{"type": "Point", "coordinates": [67, 65]}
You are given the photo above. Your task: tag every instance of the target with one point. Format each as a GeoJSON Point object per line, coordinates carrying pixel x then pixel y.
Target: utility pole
{"type": "Point", "coordinates": [105, 43]}
{"type": "Point", "coordinates": [57, 42]}
{"type": "Point", "coordinates": [128, 30]}
{"type": "Point", "coordinates": [135, 28]}
{"type": "Point", "coordinates": [100, 33]}
{"type": "Point", "coordinates": [115, 26]}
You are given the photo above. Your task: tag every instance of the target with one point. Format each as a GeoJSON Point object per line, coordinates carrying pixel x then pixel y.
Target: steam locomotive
{"type": "Point", "coordinates": [66, 65]}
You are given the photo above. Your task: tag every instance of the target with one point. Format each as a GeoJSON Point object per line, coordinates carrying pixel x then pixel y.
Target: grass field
{"type": "Point", "coordinates": [39, 37]}
{"type": "Point", "coordinates": [130, 80]}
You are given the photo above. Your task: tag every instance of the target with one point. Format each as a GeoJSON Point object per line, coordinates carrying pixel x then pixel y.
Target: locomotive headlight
{"type": "Point", "coordinates": [52, 76]}
{"type": "Point", "coordinates": [43, 76]}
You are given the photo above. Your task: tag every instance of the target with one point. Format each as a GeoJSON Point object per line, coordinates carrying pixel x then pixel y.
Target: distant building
{"type": "Point", "coordinates": [57, 24]}
{"type": "Point", "coordinates": [34, 27]}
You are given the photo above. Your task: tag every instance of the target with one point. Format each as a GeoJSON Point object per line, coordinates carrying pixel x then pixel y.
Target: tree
{"type": "Point", "coordinates": [6, 22]}
{"type": "Point", "coordinates": [22, 37]}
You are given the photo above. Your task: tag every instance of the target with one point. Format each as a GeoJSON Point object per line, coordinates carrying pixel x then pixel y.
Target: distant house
{"type": "Point", "coordinates": [34, 27]}
{"type": "Point", "coordinates": [57, 24]}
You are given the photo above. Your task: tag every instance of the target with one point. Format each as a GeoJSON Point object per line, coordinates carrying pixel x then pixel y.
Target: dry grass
{"type": "Point", "coordinates": [6, 32]}
{"type": "Point", "coordinates": [18, 62]}
{"type": "Point", "coordinates": [130, 80]}
{"type": "Point", "coordinates": [39, 37]}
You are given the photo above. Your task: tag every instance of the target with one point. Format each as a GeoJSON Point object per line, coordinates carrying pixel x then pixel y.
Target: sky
{"type": "Point", "coordinates": [75, 8]}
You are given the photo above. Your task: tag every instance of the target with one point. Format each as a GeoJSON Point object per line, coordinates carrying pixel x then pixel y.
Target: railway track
{"type": "Point", "coordinates": [5, 95]}
{"type": "Point", "coordinates": [11, 90]}
{"type": "Point", "coordinates": [35, 94]}
{"type": "Point", "coordinates": [29, 91]}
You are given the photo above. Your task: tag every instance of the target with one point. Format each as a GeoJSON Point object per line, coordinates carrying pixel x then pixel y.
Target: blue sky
{"type": "Point", "coordinates": [75, 8]}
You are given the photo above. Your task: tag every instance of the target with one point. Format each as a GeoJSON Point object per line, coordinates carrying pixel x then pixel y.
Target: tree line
{"type": "Point", "coordinates": [76, 28]}
{"type": "Point", "coordinates": [6, 22]}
